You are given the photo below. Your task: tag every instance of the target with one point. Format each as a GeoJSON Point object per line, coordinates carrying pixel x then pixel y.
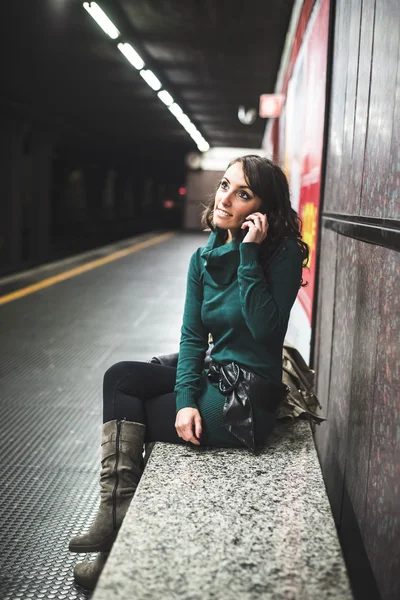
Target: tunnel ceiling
{"type": "Point", "coordinates": [211, 55]}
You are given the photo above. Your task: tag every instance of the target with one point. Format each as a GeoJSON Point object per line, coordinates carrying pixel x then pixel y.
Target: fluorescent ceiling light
{"type": "Point", "coordinates": [101, 19]}
{"type": "Point", "coordinates": [203, 146]}
{"type": "Point", "coordinates": [175, 109]}
{"type": "Point", "coordinates": [151, 79]}
{"type": "Point", "coordinates": [165, 97]}
{"type": "Point", "coordinates": [196, 135]}
{"type": "Point", "coordinates": [183, 119]}
{"type": "Point", "coordinates": [130, 53]}
{"type": "Point", "coordinates": [133, 57]}
{"type": "Point", "coordinates": [191, 129]}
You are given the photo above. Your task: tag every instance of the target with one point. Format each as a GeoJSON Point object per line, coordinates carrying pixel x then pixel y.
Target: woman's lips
{"type": "Point", "coordinates": [221, 213]}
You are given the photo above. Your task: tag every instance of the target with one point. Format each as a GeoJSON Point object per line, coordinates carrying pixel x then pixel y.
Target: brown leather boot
{"type": "Point", "coordinates": [88, 573]}
{"type": "Point", "coordinates": [121, 469]}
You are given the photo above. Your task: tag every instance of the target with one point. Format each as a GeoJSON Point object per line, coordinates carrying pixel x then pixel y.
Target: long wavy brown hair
{"type": "Point", "coordinates": [267, 181]}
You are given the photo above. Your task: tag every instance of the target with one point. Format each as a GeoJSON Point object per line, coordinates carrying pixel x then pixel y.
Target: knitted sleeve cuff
{"type": "Point", "coordinates": [248, 252]}
{"type": "Point", "coordinates": [185, 398]}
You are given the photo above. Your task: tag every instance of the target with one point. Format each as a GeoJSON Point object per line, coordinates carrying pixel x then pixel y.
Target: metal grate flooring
{"type": "Point", "coordinates": [54, 348]}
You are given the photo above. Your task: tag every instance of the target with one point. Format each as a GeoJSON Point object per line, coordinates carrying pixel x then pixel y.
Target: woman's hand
{"type": "Point", "coordinates": [188, 425]}
{"type": "Point", "coordinates": [257, 225]}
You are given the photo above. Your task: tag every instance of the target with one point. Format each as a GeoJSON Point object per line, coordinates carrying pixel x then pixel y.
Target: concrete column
{"type": "Point", "coordinates": [11, 157]}
{"type": "Point", "coordinates": [200, 187]}
{"type": "Point", "coordinates": [127, 208]}
{"type": "Point", "coordinates": [108, 197]}
{"type": "Point", "coordinates": [41, 195]}
{"type": "Point", "coordinates": [94, 185]}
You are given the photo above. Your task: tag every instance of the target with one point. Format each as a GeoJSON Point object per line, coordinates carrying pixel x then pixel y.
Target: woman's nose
{"type": "Point", "coordinates": [226, 198]}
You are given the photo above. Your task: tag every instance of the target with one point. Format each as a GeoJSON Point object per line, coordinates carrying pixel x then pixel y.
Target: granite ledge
{"type": "Point", "coordinates": [223, 524]}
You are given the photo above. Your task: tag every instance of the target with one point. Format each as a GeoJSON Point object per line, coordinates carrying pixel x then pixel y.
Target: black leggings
{"type": "Point", "coordinates": [144, 393]}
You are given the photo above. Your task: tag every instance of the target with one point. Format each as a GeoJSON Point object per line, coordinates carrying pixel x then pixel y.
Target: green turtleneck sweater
{"type": "Point", "coordinates": [247, 313]}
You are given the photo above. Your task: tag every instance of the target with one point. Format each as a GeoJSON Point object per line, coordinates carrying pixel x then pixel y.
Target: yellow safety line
{"type": "Point", "coordinates": [83, 268]}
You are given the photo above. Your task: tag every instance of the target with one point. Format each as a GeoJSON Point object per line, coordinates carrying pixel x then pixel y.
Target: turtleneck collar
{"type": "Point", "coordinates": [222, 260]}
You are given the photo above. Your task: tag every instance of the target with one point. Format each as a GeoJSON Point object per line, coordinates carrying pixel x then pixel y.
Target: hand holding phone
{"type": "Point", "coordinates": [257, 226]}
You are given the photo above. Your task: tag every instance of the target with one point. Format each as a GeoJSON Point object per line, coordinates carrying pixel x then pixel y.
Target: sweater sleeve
{"type": "Point", "coordinates": [194, 340]}
{"type": "Point", "coordinates": [266, 304]}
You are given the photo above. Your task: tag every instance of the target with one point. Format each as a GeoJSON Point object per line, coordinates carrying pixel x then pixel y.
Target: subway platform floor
{"type": "Point", "coordinates": [56, 342]}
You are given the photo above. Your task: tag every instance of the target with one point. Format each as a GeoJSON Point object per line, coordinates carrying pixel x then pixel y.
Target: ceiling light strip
{"type": "Point", "coordinates": [101, 19]}
{"type": "Point", "coordinates": [165, 97]}
{"type": "Point", "coordinates": [130, 53]}
{"type": "Point", "coordinates": [149, 77]}
{"type": "Point", "coordinates": [176, 110]}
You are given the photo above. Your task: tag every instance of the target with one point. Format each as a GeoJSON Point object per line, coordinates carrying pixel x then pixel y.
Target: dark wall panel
{"type": "Point", "coordinates": [362, 99]}
{"type": "Point", "coordinates": [340, 383]}
{"type": "Point", "coordinates": [352, 15]}
{"type": "Point", "coordinates": [392, 208]}
{"type": "Point", "coordinates": [335, 202]}
{"type": "Point", "coordinates": [382, 518]}
{"type": "Point", "coordinates": [367, 284]}
{"type": "Point", "coordinates": [381, 108]}
{"type": "Point", "coordinates": [357, 337]}
{"type": "Point", "coordinates": [360, 424]}
{"type": "Point", "coordinates": [324, 334]}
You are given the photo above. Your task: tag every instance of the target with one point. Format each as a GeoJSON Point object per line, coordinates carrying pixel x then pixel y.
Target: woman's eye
{"type": "Point", "coordinates": [244, 195]}
{"type": "Point", "coordinates": [224, 184]}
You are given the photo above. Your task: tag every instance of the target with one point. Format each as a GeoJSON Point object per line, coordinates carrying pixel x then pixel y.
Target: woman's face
{"type": "Point", "coordinates": [234, 200]}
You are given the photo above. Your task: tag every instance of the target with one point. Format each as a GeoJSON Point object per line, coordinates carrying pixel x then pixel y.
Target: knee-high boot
{"type": "Point", "coordinates": [121, 469]}
{"type": "Point", "coordinates": [88, 573]}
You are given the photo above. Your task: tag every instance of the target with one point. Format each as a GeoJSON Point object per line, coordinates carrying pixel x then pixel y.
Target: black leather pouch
{"type": "Point", "coordinates": [244, 391]}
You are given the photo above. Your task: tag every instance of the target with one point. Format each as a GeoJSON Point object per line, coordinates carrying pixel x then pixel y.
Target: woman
{"type": "Point", "coordinates": [241, 287]}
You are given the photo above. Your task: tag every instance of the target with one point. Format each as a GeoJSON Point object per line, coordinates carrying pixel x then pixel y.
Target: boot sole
{"type": "Point", "coordinates": [104, 546]}
{"type": "Point", "coordinates": [84, 583]}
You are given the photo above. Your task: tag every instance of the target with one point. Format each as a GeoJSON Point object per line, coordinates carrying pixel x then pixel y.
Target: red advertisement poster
{"type": "Point", "coordinates": [314, 112]}
{"type": "Point", "coordinates": [295, 140]}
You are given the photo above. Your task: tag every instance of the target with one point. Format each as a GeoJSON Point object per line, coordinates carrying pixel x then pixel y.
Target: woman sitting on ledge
{"type": "Point", "coordinates": [241, 287]}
